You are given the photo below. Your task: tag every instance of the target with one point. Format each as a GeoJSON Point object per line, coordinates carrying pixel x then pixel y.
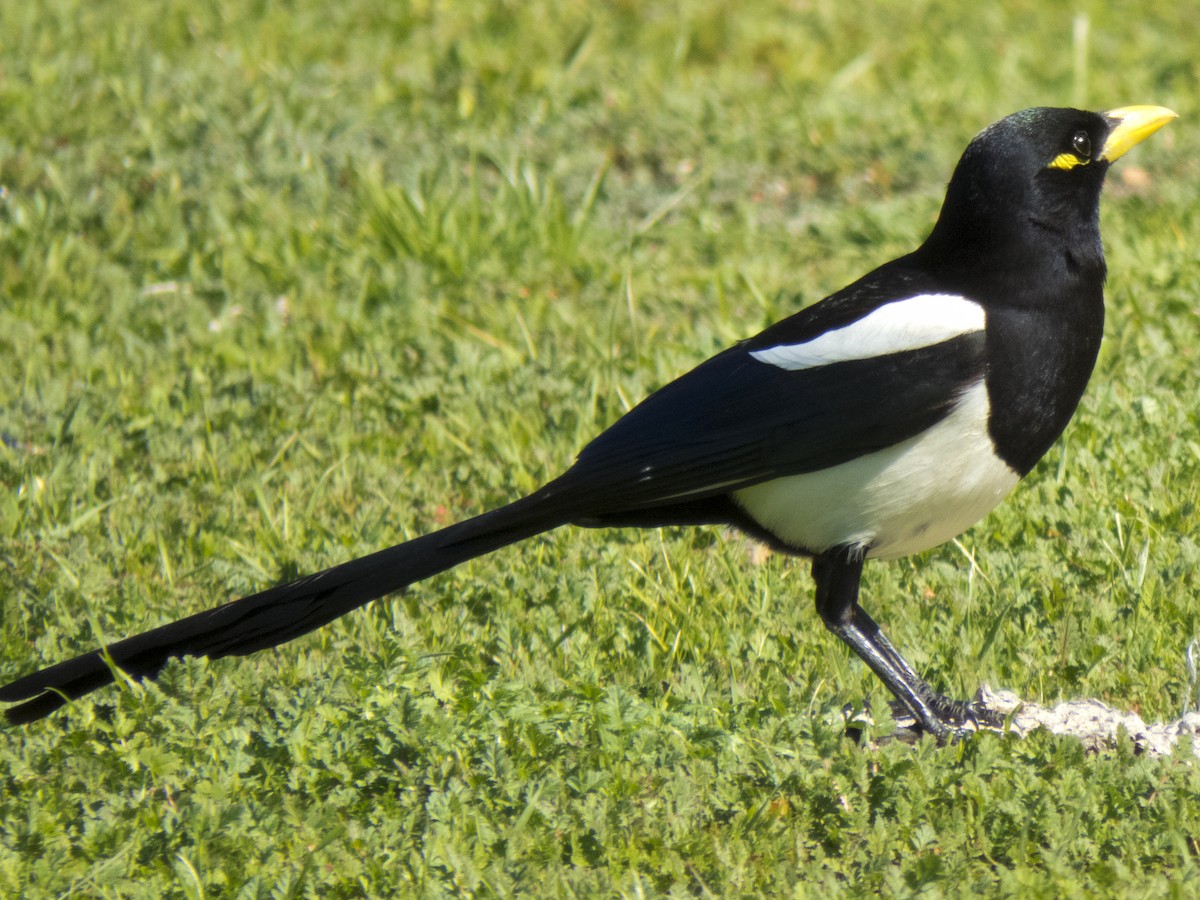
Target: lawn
{"type": "Point", "coordinates": [282, 283]}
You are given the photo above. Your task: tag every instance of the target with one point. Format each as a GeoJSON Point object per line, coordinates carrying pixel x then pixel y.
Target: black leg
{"type": "Point", "coordinates": [837, 575]}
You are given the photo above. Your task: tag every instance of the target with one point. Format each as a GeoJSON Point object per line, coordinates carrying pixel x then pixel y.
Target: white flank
{"type": "Point", "coordinates": [907, 498]}
{"type": "Point", "coordinates": [920, 321]}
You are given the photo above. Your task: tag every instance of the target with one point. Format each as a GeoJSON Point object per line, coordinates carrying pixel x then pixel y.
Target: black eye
{"type": "Point", "coordinates": [1082, 144]}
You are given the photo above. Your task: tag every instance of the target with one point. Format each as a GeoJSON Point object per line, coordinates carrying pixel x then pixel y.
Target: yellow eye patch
{"type": "Point", "coordinates": [1066, 162]}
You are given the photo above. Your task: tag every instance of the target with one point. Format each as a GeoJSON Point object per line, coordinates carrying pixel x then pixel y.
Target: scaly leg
{"type": "Point", "coordinates": [837, 574]}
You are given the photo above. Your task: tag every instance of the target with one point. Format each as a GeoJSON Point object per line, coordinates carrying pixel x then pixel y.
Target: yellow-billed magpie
{"type": "Point", "coordinates": [879, 422]}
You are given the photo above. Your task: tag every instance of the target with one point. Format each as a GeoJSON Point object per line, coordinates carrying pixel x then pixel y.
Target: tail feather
{"type": "Point", "coordinates": [282, 613]}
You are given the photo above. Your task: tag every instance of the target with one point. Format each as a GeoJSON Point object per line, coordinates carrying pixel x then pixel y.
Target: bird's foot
{"type": "Point", "coordinates": [947, 720]}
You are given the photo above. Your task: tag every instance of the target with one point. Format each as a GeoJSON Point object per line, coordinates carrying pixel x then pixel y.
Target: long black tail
{"type": "Point", "coordinates": [282, 613]}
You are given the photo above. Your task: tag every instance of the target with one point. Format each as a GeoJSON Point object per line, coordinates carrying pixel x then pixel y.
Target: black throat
{"type": "Point", "coordinates": [1040, 277]}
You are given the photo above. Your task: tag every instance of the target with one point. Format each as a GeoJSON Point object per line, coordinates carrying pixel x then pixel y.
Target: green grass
{"type": "Point", "coordinates": [284, 282]}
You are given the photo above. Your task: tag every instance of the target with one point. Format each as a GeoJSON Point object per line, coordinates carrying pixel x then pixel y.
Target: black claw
{"type": "Point", "coordinates": [952, 720]}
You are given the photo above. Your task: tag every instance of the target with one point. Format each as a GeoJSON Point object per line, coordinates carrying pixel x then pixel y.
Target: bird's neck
{"type": "Point", "coordinates": [988, 238]}
{"type": "Point", "coordinates": [997, 267]}
{"type": "Point", "coordinates": [1042, 285]}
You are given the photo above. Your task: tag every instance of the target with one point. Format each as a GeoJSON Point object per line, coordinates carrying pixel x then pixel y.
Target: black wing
{"type": "Point", "coordinates": [735, 421]}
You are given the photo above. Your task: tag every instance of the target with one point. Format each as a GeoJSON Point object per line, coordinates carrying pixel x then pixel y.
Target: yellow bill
{"type": "Point", "coordinates": [1132, 125]}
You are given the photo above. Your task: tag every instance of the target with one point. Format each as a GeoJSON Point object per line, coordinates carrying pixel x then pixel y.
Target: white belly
{"type": "Point", "coordinates": [907, 498]}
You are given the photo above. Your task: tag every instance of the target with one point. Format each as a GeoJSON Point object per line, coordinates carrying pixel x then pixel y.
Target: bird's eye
{"type": "Point", "coordinates": [1082, 144]}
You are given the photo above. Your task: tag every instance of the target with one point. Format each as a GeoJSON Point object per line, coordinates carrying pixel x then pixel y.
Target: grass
{"type": "Point", "coordinates": [282, 283]}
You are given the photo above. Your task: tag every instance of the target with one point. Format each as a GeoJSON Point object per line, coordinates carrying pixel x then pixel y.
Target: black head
{"type": "Point", "coordinates": [1032, 182]}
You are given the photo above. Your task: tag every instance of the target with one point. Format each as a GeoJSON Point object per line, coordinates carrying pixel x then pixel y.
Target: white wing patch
{"type": "Point", "coordinates": [909, 324]}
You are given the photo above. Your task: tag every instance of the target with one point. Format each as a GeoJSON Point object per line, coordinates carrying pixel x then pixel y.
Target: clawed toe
{"type": "Point", "coordinates": [946, 720]}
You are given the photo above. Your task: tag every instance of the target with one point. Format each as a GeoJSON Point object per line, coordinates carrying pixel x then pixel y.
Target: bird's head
{"type": "Point", "coordinates": [1033, 179]}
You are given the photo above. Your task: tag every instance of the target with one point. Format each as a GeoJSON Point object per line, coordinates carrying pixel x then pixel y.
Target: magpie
{"type": "Point", "coordinates": [879, 422]}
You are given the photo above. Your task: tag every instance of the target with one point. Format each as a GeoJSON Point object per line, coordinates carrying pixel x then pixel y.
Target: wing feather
{"type": "Point", "coordinates": [735, 421]}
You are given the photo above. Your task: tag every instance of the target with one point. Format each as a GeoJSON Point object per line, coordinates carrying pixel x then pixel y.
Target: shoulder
{"type": "Point", "coordinates": [892, 310]}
